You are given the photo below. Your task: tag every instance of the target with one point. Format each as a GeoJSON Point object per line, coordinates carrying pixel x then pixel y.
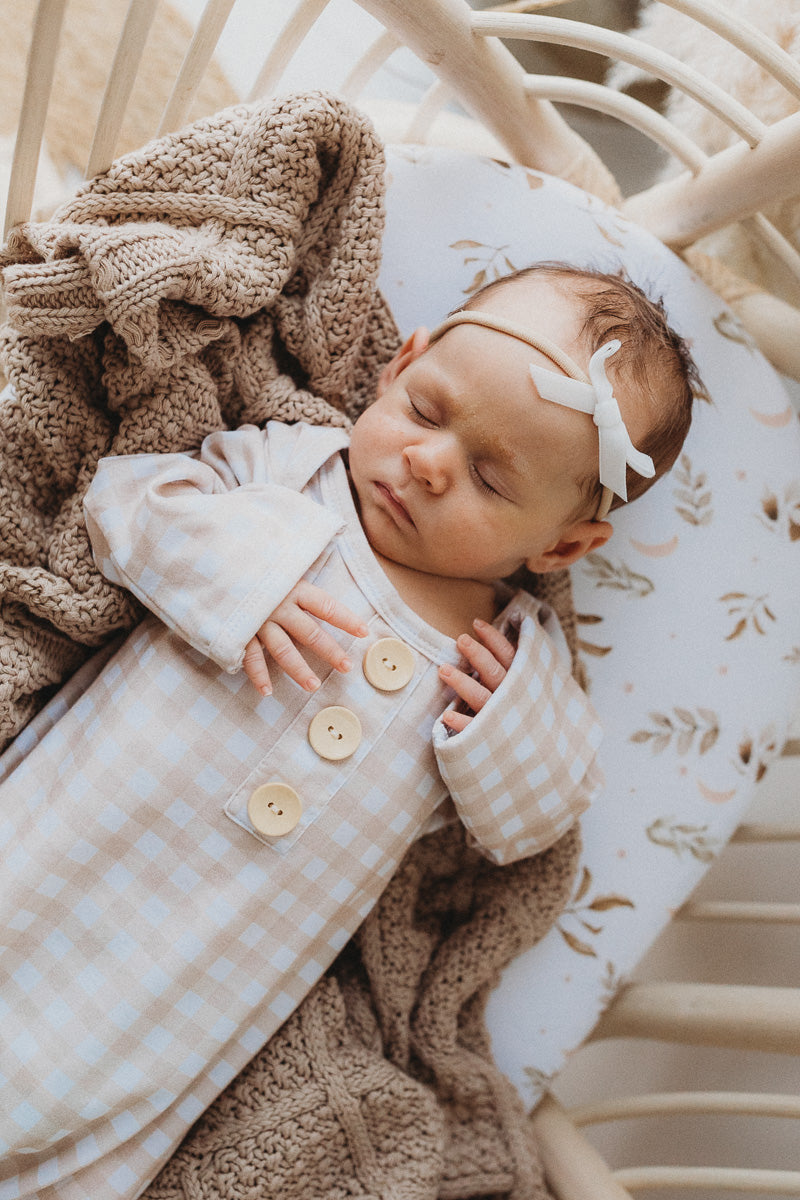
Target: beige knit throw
{"type": "Point", "coordinates": [222, 275]}
{"type": "Point", "coordinates": [381, 1085]}
{"type": "Point", "coordinates": [228, 274]}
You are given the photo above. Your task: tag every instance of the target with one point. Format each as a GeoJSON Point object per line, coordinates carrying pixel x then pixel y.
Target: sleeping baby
{"type": "Point", "coordinates": [216, 844]}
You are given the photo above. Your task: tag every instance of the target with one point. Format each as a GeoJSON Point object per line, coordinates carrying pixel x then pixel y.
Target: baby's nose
{"type": "Point", "coordinates": [431, 464]}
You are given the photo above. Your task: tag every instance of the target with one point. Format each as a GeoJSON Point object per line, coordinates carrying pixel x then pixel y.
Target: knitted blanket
{"type": "Point", "coordinates": [222, 275]}
{"type": "Point", "coordinates": [381, 1084]}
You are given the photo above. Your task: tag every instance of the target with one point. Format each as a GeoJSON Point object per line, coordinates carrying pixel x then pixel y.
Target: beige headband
{"type": "Point", "coordinates": [473, 316]}
{"type": "Point", "coordinates": [595, 398]}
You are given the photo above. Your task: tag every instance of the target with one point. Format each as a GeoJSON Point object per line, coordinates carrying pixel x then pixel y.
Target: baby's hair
{"type": "Point", "coordinates": [654, 361]}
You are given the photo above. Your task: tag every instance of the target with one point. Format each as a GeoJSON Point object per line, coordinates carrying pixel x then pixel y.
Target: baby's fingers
{"type": "Point", "coordinates": [494, 640]}
{"type": "Point", "coordinates": [457, 721]}
{"type": "Point", "coordinates": [490, 671]}
{"type": "Point", "coordinates": [322, 604]}
{"type": "Point", "coordinates": [279, 645]}
{"type": "Point", "coordinates": [470, 690]}
{"type": "Point", "coordinates": [255, 667]}
{"type": "Point", "coordinates": [302, 628]}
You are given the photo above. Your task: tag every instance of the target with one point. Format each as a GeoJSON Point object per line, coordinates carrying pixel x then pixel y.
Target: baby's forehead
{"type": "Point", "coordinates": [569, 400]}
{"type": "Point", "coordinates": [512, 424]}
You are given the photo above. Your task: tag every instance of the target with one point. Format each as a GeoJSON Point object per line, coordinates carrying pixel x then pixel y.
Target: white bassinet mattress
{"type": "Point", "coordinates": [689, 616]}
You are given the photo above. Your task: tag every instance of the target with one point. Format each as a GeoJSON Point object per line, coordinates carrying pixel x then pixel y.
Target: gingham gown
{"type": "Point", "coordinates": [152, 941]}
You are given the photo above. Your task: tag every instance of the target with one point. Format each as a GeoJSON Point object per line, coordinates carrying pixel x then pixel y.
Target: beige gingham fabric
{"type": "Point", "coordinates": [152, 942]}
{"type": "Point", "coordinates": [541, 747]}
{"type": "Point", "coordinates": [212, 543]}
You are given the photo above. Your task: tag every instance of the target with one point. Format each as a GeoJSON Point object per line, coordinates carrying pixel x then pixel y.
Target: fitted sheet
{"type": "Point", "coordinates": [689, 616]}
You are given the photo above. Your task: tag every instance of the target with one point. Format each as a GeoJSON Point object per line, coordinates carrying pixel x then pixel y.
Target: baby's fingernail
{"type": "Point", "coordinates": [265, 689]}
{"type": "Point", "coordinates": [312, 684]}
{"type": "Point", "coordinates": [446, 671]}
{"type": "Point", "coordinates": [362, 631]}
{"type": "Point", "coordinates": [479, 624]}
{"type": "Point", "coordinates": [345, 665]}
{"type": "Point", "coordinates": [464, 639]}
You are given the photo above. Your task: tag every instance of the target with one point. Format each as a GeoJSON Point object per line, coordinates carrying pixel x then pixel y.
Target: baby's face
{"type": "Point", "coordinates": [461, 469]}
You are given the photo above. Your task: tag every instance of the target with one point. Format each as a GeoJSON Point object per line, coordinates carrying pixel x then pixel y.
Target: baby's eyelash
{"type": "Point", "coordinates": [419, 415]}
{"type": "Point", "coordinates": [482, 484]}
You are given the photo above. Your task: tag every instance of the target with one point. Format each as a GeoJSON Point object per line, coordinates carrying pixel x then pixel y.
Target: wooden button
{"type": "Point", "coordinates": [335, 732]}
{"type": "Point", "coordinates": [389, 664]}
{"type": "Point", "coordinates": [274, 809]}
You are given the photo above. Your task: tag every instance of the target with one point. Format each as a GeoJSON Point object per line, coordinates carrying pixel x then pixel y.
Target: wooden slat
{"type": "Point", "coordinates": [772, 1183]}
{"type": "Point", "coordinates": [774, 326]}
{"type": "Point", "coordinates": [623, 48]}
{"type": "Point", "coordinates": [740, 910]}
{"type": "Point", "coordinates": [369, 63]}
{"type": "Point", "coordinates": [198, 56]}
{"type": "Point", "coordinates": [598, 98]}
{"type": "Point", "coordinates": [40, 68]}
{"type": "Point", "coordinates": [751, 1104]}
{"type": "Point", "coordinates": [785, 254]}
{"type": "Point", "coordinates": [574, 1169]}
{"type": "Point", "coordinates": [427, 111]}
{"type": "Point", "coordinates": [739, 1016]}
{"type": "Point", "coordinates": [733, 184]}
{"type": "Point", "coordinates": [747, 37]}
{"type": "Point", "coordinates": [754, 831]}
{"type": "Point", "coordinates": [286, 45]}
{"type": "Point", "coordinates": [489, 81]}
{"type": "Point", "coordinates": [121, 79]}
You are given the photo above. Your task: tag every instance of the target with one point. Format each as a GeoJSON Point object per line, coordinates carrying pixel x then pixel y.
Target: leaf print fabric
{"type": "Point", "coordinates": [693, 495]}
{"type": "Point", "coordinates": [617, 575]}
{"type": "Point", "coordinates": [782, 514]}
{"type": "Point", "coordinates": [494, 263]}
{"type": "Point", "coordinates": [680, 838]}
{"type": "Point", "coordinates": [582, 912]}
{"type": "Point", "coordinates": [683, 730]}
{"type": "Point", "coordinates": [749, 612]}
{"type": "Point", "coordinates": [689, 620]}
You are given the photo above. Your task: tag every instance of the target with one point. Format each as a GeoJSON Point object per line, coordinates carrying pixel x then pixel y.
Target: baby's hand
{"type": "Point", "coordinates": [293, 621]}
{"type": "Point", "coordinates": [490, 660]}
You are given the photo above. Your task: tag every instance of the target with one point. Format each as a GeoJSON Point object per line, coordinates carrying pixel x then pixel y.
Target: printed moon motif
{"type": "Point", "coordinates": [712, 796]}
{"type": "Point", "coordinates": [656, 549]}
{"type": "Point", "coordinates": [774, 420]}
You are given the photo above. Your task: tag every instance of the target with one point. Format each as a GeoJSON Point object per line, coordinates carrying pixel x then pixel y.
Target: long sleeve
{"type": "Point", "coordinates": [524, 768]}
{"type": "Point", "coordinates": [211, 543]}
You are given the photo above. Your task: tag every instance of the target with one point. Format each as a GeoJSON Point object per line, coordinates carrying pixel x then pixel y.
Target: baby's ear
{"type": "Point", "coordinates": [576, 541]}
{"type": "Point", "coordinates": [411, 349]}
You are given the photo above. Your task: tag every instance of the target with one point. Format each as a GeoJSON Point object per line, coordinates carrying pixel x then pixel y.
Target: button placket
{"type": "Point", "coordinates": [389, 664]}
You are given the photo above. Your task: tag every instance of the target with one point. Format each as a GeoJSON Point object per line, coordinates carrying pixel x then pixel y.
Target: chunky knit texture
{"type": "Point", "coordinates": [222, 275]}
{"type": "Point", "coordinates": [381, 1084]}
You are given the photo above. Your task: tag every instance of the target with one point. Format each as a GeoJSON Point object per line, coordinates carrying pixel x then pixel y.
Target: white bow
{"type": "Point", "coordinates": [617, 451]}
